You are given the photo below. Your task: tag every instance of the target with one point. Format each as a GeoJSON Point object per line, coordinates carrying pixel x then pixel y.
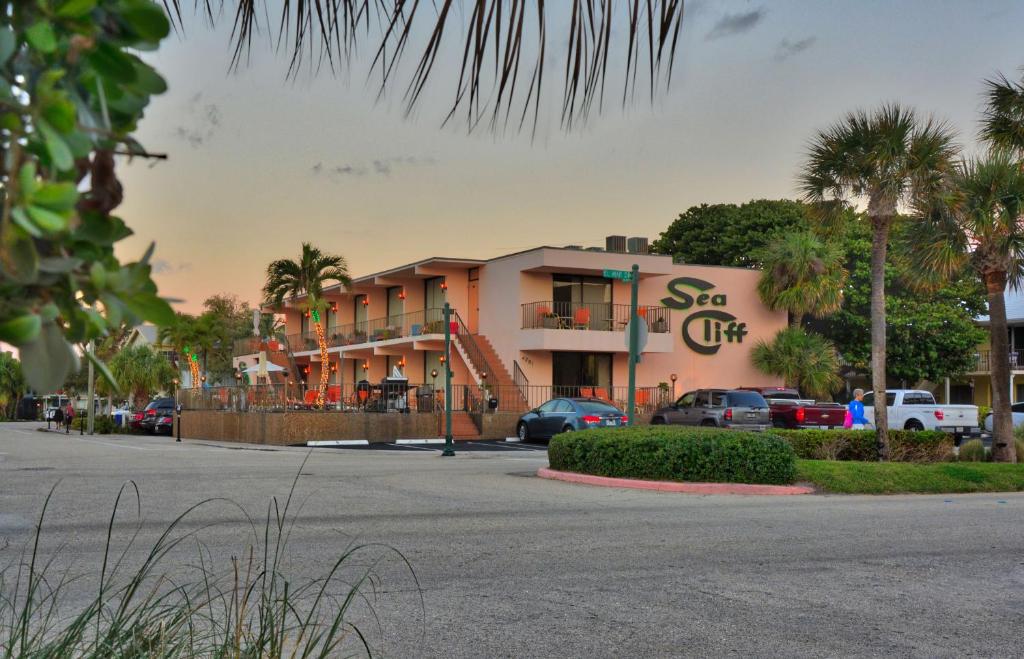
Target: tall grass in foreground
{"type": "Point", "coordinates": [247, 608]}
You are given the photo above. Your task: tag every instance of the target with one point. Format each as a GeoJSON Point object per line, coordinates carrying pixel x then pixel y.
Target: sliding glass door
{"type": "Point", "coordinates": [582, 302]}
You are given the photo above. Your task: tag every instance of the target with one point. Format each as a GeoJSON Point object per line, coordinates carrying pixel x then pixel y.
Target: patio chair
{"type": "Point", "coordinates": [587, 392]}
{"type": "Point", "coordinates": [602, 393]}
{"type": "Point", "coordinates": [309, 400]}
{"type": "Point", "coordinates": [581, 318]}
{"type": "Point", "coordinates": [334, 393]}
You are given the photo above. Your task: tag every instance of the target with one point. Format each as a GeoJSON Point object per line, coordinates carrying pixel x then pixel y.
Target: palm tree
{"type": "Point", "coordinates": [186, 338]}
{"type": "Point", "coordinates": [12, 385]}
{"type": "Point", "coordinates": [805, 360]}
{"type": "Point", "coordinates": [306, 277]}
{"type": "Point", "coordinates": [505, 47]}
{"type": "Point", "coordinates": [1003, 121]}
{"type": "Point", "coordinates": [887, 158]}
{"type": "Point", "coordinates": [140, 372]}
{"type": "Point", "coordinates": [980, 224]}
{"type": "Point", "coordinates": [803, 275]}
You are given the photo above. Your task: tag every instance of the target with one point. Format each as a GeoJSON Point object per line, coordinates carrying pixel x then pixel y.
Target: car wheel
{"type": "Point", "coordinates": [708, 423]}
{"type": "Point", "coordinates": [658, 421]}
{"type": "Point", "coordinates": [913, 424]}
{"type": "Point", "coordinates": [522, 432]}
{"type": "Point", "coordinates": [567, 428]}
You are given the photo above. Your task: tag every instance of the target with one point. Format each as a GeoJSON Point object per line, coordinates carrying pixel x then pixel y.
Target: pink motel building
{"type": "Point", "coordinates": [536, 324]}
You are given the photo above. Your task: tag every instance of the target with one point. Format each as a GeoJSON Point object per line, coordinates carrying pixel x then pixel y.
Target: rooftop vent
{"type": "Point", "coordinates": [637, 245]}
{"type": "Point", "coordinates": [615, 243]}
{"type": "Point", "coordinates": [594, 249]}
{"type": "Point", "coordinates": [574, 247]}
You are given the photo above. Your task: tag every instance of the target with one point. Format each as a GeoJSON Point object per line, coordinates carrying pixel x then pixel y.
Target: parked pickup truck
{"type": "Point", "coordinates": [789, 410]}
{"type": "Point", "coordinates": [911, 409]}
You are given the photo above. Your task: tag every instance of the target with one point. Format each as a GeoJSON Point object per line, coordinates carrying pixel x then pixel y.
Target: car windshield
{"type": "Point", "coordinates": [162, 403]}
{"type": "Point", "coordinates": [594, 407]}
{"type": "Point", "coordinates": [745, 399]}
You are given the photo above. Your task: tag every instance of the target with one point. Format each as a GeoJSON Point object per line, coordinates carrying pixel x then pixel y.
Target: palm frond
{"type": "Point", "coordinates": [504, 47]}
{"type": "Point", "coordinates": [1002, 123]}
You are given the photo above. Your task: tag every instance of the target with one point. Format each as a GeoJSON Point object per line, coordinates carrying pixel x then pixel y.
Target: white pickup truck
{"type": "Point", "coordinates": [911, 409]}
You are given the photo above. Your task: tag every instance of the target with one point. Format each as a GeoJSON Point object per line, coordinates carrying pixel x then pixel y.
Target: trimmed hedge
{"type": "Point", "coordinates": [904, 445]}
{"type": "Point", "coordinates": [673, 453]}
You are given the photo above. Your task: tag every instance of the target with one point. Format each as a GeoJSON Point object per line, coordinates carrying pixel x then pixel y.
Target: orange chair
{"type": "Point", "coordinates": [642, 397]}
{"type": "Point", "coordinates": [601, 393]}
{"type": "Point", "coordinates": [362, 395]}
{"type": "Point", "coordinates": [587, 392]}
{"type": "Point", "coordinates": [334, 393]}
{"type": "Point", "coordinates": [581, 318]}
{"type": "Point", "coordinates": [310, 398]}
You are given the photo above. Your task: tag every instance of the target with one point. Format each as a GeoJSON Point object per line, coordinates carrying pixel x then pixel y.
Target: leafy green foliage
{"type": "Point", "coordinates": [12, 384]}
{"type": "Point", "coordinates": [71, 94]}
{"type": "Point", "coordinates": [900, 478]}
{"type": "Point", "coordinates": [905, 445]}
{"type": "Point", "coordinates": [803, 274]}
{"type": "Point", "coordinates": [727, 234]}
{"type": "Point", "coordinates": [671, 453]}
{"type": "Point", "coordinates": [805, 360]}
{"type": "Point", "coordinates": [931, 335]}
{"type": "Point", "coordinates": [1003, 121]}
{"type": "Point", "coordinates": [211, 335]}
{"type": "Point", "coordinates": [102, 424]}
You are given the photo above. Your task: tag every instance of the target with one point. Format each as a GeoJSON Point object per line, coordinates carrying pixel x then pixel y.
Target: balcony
{"type": "Point", "coordinates": [983, 361]}
{"type": "Point", "coordinates": [413, 324]}
{"type": "Point", "coordinates": [590, 326]}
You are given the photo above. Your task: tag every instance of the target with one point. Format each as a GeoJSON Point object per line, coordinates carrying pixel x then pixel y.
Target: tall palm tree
{"type": "Point", "coordinates": [980, 224]}
{"type": "Point", "coordinates": [805, 360]}
{"type": "Point", "coordinates": [1002, 124]}
{"type": "Point", "coordinates": [886, 158]}
{"type": "Point", "coordinates": [802, 274]}
{"type": "Point", "coordinates": [306, 277]}
{"type": "Point", "coordinates": [185, 337]}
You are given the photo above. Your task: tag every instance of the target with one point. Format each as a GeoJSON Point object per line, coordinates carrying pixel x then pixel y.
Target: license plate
{"type": "Point", "coordinates": [959, 428]}
{"type": "Point", "coordinates": [824, 427]}
{"type": "Point", "coordinates": [612, 422]}
{"type": "Point", "coordinates": [751, 415]}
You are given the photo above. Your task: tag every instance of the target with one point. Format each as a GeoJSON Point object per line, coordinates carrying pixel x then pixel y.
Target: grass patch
{"type": "Point", "coordinates": [904, 478]}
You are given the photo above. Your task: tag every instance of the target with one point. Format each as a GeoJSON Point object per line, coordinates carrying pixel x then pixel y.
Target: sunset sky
{"type": "Point", "coordinates": [259, 163]}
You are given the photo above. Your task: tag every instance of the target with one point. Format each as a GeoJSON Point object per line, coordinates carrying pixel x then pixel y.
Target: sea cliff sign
{"type": "Point", "coordinates": [717, 326]}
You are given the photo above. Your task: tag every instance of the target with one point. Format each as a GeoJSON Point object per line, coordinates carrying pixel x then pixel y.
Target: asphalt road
{"type": "Point", "coordinates": [509, 565]}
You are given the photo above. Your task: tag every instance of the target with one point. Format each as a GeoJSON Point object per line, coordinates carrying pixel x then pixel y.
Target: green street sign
{"type": "Point", "coordinates": [624, 275]}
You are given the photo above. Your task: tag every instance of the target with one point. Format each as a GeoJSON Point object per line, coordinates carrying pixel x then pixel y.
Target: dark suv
{"type": "Point", "coordinates": [155, 416]}
{"type": "Point", "coordinates": [721, 408]}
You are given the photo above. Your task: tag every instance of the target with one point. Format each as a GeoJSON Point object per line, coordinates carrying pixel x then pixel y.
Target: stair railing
{"type": "Point", "coordinates": [519, 378]}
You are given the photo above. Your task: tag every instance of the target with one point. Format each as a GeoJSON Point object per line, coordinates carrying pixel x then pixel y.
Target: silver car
{"type": "Point", "coordinates": [1018, 417]}
{"type": "Point", "coordinates": [721, 408]}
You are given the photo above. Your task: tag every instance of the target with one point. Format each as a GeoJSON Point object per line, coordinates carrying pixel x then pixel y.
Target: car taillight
{"type": "Point", "coordinates": [590, 418]}
{"type": "Point", "coordinates": [939, 415]}
{"type": "Point", "coordinates": [625, 419]}
{"type": "Point", "coordinates": [151, 413]}
{"type": "Point", "coordinates": [728, 414]}
{"type": "Point", "coordinates": [137, 416]}
{"type": "Point", "coordinates": [801, 415]}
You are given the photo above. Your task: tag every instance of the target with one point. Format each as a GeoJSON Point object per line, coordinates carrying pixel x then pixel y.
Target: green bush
{"type": "Point", "coordinates": [973, 451]}
{"type": "Point", "coordinates": [672, 453]}
{"type": "Point", "coordinates": [102, 425]}
{"type": "Point", "coordinates": [904, 445]}
{"type": "Point", "coordinates": [1018, 444]}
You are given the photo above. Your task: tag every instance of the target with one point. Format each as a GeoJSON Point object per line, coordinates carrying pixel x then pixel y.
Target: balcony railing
{"type": "Point", "coordinates": [414, 323]}
{"type": "Point", "coordinates": [597, 316]}
{"type": "Point", "coordinates": [983, 361]}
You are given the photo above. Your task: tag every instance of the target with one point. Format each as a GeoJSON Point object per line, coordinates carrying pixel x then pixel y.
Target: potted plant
{"type": "Point", "coordinates": [550, 320]}
{"type": "Point", "coordinates": [659, 326]}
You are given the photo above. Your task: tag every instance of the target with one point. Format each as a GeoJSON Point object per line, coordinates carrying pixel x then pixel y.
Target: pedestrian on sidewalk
{"type": "Point", "coordinates": [855, 411]}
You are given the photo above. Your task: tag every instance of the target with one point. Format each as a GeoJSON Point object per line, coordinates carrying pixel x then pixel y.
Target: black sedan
{"type": "Point", "coordinates": [565, 414]}
{"type": "Point", "coordinates": [155, 415]}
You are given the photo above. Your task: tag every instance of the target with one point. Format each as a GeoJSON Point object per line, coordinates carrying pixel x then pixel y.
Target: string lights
{"type": "Point", "coordinates": [325, 373]}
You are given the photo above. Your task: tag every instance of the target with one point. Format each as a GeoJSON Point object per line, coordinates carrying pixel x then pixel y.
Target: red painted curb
{"type": "Point", "coordinates": [665, 486]}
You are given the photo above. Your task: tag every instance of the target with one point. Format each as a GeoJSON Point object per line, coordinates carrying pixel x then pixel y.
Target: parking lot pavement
{"type": "Point", "coordinates": [508, 564]}
{"type": "Point", "coordinates": [437, 446]}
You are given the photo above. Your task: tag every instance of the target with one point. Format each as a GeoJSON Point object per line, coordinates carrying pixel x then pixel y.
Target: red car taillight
{"type": "Point", "coordinates": [939, 415]}
{"type": "Point", "coordinates": [728, 414]}
{"type": "Point", "coordinates": [591, 419]}
{"type": "Point", "coordinates": [137, 416]}
{"type": "Point", "coordinates": [151, 413]}
{"type": "Point", "coordinates": [625, 419]}
{"type": "Point", "coordinates": [801, 415]}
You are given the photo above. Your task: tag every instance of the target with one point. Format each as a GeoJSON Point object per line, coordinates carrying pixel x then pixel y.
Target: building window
{"type": "Point", "coordinates": [583, 300]}
{"type": "Point", "coordinates": [303, 323]}
{"type": "Point", "coordinates": [359, 313]}
{"type": "Point", "coordinates": [433, 294]}
{"type": "Point", "coordinates": [396, 305]}
{"type": "Point", "coordinates": [574, 370]}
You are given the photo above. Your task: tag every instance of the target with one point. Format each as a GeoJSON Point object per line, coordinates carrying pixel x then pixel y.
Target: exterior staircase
{"type": "Point", "coordinates": [510, 397]}
{"type": "Point", "coordinates": [462, 426]}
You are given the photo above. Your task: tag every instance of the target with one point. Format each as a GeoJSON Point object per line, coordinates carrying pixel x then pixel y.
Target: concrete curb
{"type": "Point", "coordinates": [666, 486]}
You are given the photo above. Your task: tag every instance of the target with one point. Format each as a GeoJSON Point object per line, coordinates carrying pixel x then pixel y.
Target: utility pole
{"type": "Point", "coordinates": [90, 409]}
{"type": "Point", "coordinates": [634, 339]}
{"type": "Point", "coordinates": [449, 444]}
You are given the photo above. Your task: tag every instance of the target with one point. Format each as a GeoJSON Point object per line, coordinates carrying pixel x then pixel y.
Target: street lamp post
{"type": "Point", "coordinates": [177, 411]}
{"type": "Point", "coordinates": [673, 377]}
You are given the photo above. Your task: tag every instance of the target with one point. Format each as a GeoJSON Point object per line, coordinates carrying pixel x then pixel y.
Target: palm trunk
{"type": "Point", "coordinates": [879, 250]}
{"type": "Point", "coordinates": [796, 320]}
{"type": "Point", "coordinates": [1002, 426]}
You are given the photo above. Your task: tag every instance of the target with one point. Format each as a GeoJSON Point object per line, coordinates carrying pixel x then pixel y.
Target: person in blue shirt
{"type": "Point", "coordinates": [856, 409]}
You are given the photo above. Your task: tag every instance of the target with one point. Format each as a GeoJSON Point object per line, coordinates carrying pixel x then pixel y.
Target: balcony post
{"type": "Point", "coordinates": [634, 339]}
{"type": "Point", "coordinates": [449, 445]}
